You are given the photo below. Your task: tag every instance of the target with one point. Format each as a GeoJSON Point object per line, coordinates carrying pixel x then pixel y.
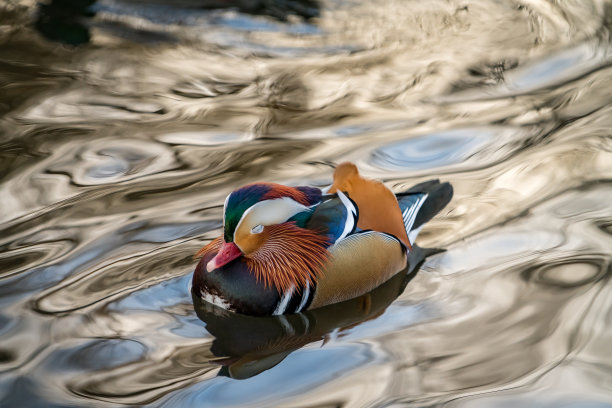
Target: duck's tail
{"type": "Point", "coordinates": [420, 203]}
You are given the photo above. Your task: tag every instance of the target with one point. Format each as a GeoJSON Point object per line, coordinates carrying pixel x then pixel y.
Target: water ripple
{"type": "Point", "coordinates": [113, 161]}
{"type": "Point", "coordinates": [445, 151]}
{"type": "Point", "coordinates": [124, 126]}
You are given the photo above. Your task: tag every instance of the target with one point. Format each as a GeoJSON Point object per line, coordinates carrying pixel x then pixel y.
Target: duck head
{"type": "Point", "coordinates": [264, 225]}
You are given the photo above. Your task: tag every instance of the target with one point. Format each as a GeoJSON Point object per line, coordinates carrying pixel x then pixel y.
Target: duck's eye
{"type": "Point", "coordinates": [257, 229]}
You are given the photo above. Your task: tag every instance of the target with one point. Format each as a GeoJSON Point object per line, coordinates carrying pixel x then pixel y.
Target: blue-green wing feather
{"type": "Point", "coordinates": [335, 217]}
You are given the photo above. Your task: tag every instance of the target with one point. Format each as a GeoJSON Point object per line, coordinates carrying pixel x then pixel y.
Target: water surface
{"type": "Point", "coordinates": [124, 124]}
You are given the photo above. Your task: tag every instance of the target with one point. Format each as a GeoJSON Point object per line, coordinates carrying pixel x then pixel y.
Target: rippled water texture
{"type": "Point", "coordinates": [125, 123]}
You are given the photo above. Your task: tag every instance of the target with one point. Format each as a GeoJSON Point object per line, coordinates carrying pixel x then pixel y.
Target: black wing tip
{"type": "Point", "coordinates": [445, 189]}
{"type": "Point", "coordinates": [438, 197]}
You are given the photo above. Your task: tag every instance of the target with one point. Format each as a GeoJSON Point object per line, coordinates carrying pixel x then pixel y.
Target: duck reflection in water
{"type": "Point", "coordinates": [70, 21]}
{"type": "Point", "coordinates": [248, 345]}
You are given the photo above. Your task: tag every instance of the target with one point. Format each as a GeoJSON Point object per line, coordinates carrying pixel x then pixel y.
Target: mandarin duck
{"type": "Point", "coordinates": [289, 249]}
{"type": "Point", "coordinates": [244, 346]}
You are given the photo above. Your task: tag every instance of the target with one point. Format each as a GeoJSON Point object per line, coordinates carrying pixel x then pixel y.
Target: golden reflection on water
{"type": "Point", "coordinates": [116, 156]}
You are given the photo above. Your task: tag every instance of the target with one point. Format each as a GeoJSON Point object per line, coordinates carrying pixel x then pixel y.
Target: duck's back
{"type": "Point", "coordinates": [378, 206]}
{"type": "Point", "coordinates": [386, 226]}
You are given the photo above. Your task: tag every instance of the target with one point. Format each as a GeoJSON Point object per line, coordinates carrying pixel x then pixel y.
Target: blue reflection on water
{"type": "Point", "coordinates": [434, 149]}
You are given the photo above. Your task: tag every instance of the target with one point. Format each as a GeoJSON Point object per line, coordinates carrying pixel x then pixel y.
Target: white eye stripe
{"type": "Point", "coordinates": [257, 229]}
{"type": "Point", "coordinates": [269, 212]}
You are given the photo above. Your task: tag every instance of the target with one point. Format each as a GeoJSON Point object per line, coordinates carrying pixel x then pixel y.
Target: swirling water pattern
{"type": "Point", "coordinates": [118, 148]}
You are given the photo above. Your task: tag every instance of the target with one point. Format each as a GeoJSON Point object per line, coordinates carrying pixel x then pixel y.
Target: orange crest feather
{"type": "Point", "coordinates": [280, 191]}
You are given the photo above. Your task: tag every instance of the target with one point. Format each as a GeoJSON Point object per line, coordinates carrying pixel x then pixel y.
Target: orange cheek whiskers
{"type": "Point", "coordinates": [290, 257]}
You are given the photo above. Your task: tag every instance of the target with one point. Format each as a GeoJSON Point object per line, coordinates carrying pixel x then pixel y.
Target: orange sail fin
{"type": "Point", "coordinates": [378, 207]}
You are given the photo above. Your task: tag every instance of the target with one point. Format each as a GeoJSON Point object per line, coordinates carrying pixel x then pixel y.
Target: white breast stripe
{"type": "Point", "coordinates": [305, 295]}
{"type": "Point", "coordinates": [350, 217]}
{"type": "Point", "coordinates": [283, 302]}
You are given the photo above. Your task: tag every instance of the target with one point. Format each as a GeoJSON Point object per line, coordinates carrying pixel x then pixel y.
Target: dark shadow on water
{"type": "Point", "coordinates": [248, 345]}
{"type": "Point", "coordinates": [65, 21]}
{"type": "Point", "coordinates": [278, 9]}
{"type": "Point", "coordinates": [69, 21]}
